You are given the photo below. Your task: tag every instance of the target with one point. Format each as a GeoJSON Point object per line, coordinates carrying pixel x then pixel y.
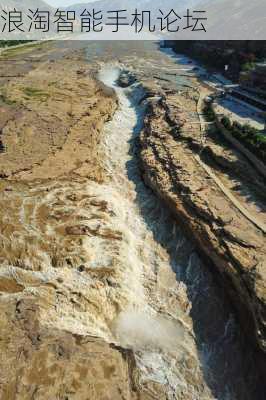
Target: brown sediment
{"type": "Point", "coordinates": [55, 118]}
{"type": "Point", "coordinates": [76, 255]}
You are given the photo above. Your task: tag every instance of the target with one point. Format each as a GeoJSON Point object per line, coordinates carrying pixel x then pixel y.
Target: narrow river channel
{"type": "Point", "coordinates": [203, 325]}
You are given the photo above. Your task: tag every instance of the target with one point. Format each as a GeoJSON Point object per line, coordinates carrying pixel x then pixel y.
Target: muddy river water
{"type": "Point", "coordinates": [203, 325]}
{"type": "Point", "coordinates": [96, 273]}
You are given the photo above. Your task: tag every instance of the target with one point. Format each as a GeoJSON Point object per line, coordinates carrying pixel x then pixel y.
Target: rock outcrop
{"type": "Point", "coordinates": [174, 164]}
{"type": "Point", "coordinates": [101, 295]}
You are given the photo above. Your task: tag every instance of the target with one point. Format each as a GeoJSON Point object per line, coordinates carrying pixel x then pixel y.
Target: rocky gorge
{"type": "Point", "coordinates": [114, 236]}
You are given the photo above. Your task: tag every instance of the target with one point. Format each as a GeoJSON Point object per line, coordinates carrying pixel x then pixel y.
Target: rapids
{"type": "Point", "coordinates": [205, 327]}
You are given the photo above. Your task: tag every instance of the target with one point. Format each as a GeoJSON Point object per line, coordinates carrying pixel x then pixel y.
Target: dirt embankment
{"type": "Point", "coordinates": [188, 170]}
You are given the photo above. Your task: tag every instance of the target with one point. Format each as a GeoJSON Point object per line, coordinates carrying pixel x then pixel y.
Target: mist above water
{"type": "Point", "coordinates": [141, 331]}
{"type": "Point", "coordinates": [109, 76]}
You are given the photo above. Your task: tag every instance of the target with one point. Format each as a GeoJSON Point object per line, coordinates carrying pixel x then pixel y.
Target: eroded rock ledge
{"type": "Point", "coordinates": [231, 243]}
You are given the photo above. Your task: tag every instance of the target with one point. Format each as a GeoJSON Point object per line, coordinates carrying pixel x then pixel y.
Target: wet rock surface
{"type": "Point", "coordinates": [101, 294]}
